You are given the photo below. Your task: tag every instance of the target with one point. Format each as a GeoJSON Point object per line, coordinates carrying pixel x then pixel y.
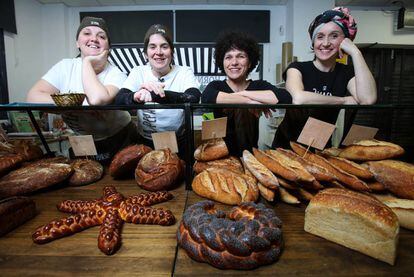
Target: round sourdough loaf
{"type": "Point", "coordinates": [248, 237]}
{"type": "Point", "coordinates": [32, 178]}
{"type": "Point", "coordinates": [126, 160]}
{"type": "Point", "coordinates": [158, 170]}
{"type": "Point", "coordinates": [212, 149]}
{"type": "Point", "coordinates": [85, 172]}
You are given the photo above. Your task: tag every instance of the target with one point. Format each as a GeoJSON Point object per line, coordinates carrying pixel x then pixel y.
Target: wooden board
{"type": "Point", "coordinates": [305, 254]}
{"type": "Point", "coordinates": [146, 249]}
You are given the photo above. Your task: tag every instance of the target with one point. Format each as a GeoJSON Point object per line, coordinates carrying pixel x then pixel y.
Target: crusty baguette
{"type": "Point", "coordinates": [332, 152]}
{"type": "Point", "coordinates": [351, 167]}
{"type": "Point", "coordinates": [404, 209]}
{"type": "Point", "coordinates": [376, 186]}
{"type": "Point", "coordinates": [287, 197]}
{"type": "Point", "coordinates": [264, 175]}
{"type": "Point", "coordinates": [230, 163]}
{"type": "Point", "coordinates": [354, 220]}
{"type": "Point", "coordinates": [371, 150]}
{"type": "Point", "coordinates": [320, 173]}
{"type": "Point", "coordinates": [287, 184]}
{"type": "Point", "coordinates": [212, 149]}
{"type": "Point", "coordinates": [266, 193]}
{"type": "Point", "coordinates": [347, 179]}
{"type": "Point", "coordinates": [397, 176]}
{"type": "Point", "coordinates": [225, 186]}
{"type": "Point", "coordinates": [304, 194]}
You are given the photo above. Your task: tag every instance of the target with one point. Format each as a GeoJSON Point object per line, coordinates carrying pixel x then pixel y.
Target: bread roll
{"type": "Point", "coordinates": [351, 167]}
{"type": "Point", "coordinates": [397, 176]}
{"type": "Point", "coordinates": [230, 163]}
{"type": "Point", "coordinates": [85, 172]}
{"type": "Point", "coordinates": [264, 175]}
{"type": "Point", "coordinates": [15, 211]}
{"type": "Point", "coordinates": [225, 186]}
{"type": "Point", "coordinates": [211, 150]}
{"type": "Point", "coordinates": [371, 150]}
{"type": "Point", "coordinates": [404, 209]}
{"type": "Point", "coordinates": [354, 220]}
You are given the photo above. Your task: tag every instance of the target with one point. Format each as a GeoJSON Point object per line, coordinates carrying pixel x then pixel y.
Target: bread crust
{"type": "Point", "coordinates": [371, 150]}
{"type": "Point", "coordinates": [261, 172]}
{"type": "Point", "coordinates": [125, 161]}
{"type": "Point", "coordinates": [351, 167]}
{"type": "Point", "coordinates": [85, 172]}
{"type": "Point", "coordinates": [15, 211]}
{"type": "Point", "coordinates": [211, 150]}
{"type": "Point", "coordinates": [231, 163]}
{"type": "Point", "coordinates": [404, 209]}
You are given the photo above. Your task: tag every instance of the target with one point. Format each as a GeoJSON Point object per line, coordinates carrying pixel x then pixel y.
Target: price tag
{"type": "Point", "coordinates": [83, 145]}
{"type": "Point", "coordinates": [165, 140]}
{"type": "Point", "coordinates": [316, 133]}
{"type": "Point", "coordinates": [3, 135]}
{"type": "Point", "coordinates": [215, 128]}
{"type": "Point", "coordinates": [358, 132]}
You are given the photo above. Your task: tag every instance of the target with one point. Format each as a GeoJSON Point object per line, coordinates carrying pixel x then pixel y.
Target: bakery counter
{"type": "Point", "coordinates": [146, 250]}
{"type": "Point", "coordinates": [305, 254]}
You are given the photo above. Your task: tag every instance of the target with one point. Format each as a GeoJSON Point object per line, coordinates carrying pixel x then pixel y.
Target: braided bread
{"type": "Point", "coordinates": [251, 236]}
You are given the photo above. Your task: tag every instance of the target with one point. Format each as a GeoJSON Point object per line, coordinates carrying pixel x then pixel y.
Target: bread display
{"type": "Point", "coordinates": [125, 161]}
{"type": "Point", "coordinates": [85, 172]}
{"type": "Point", "coordinates": [404, 209]}
{"type": "Point", "coordinates": [32, 178]}
{"type": "Point", "coordinates": [210, 150]}
{"type": "Point", "coordinates": [225, 186]}
{"type": "Point", "coordinates": [354, 220]}
{"type": "Point", "coordinates": [110, 211]}
{"type": "Point", "coordinates": [371, 150]}
{"type": "Point", "coordinates": [158, 170]}
{"type": "Point", "coordinates": [45, 161]}
{"type": "Point", "coordinates": [250, 236]}
{"type": "Point", "coordinates": [262, 174]}
{"type": "Point", "coordinates": [14, 211]}
{"type": "Point", "coordinates": [230, 163]}
{"type": "Point", "coordinates": [351, 167]}
{"type": "Point", "coordinates": [9, 162]}
{"type": "Point", "coordinates": [397, 176]}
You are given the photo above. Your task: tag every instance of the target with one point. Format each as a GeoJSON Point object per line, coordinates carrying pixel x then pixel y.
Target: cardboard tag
{"type": "Point", "coordinates": [358, 132]}
{"type": "Point", "coordinates": [3, 135]}
{"type": "Point", "coordinates": [83, 145]}
{"type": "Point", "coordinates": [165, 140]}
{"type": "Point", "coordinates": [215, 128]}
{"type": "Point", "coordinates": [316, 133]}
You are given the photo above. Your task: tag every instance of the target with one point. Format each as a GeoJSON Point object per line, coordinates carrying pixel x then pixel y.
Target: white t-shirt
{"type": "Point", "coordinates": [66, 76]}
{"type": "Point", "coordinates": [179, 79]}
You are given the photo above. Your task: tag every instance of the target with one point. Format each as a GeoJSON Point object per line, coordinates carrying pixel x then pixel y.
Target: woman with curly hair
{"type": "Point", "coordinates": [237, 54]}
{"type": "Point", "coordinates": [323, 80]}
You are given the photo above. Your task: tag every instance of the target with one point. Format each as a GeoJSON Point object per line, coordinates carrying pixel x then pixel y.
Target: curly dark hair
{"type": "Point", "coordinates": [233, 39]}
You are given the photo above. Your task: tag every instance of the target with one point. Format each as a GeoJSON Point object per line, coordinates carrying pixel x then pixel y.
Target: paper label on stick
{"type": "Point", "coordinates": [164, 140]}
{"type": "Point", "coordinates": [358, 132]}
{"type": "Point", "coordinates": [83, 145]}
{"type": "Point", "coordinates": [215, 128]}
{"type": "Point", "coordinates": [316, 133]}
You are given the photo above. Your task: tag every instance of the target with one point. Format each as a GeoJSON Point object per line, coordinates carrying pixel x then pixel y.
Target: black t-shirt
{"type": "Point", "coordinates": [325, 83]}
{"type": "Point", "coordinates": [242, 126]}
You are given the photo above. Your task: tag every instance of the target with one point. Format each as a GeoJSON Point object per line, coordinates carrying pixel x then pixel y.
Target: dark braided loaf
{"type": "Point", "coordinates": [251, 235]}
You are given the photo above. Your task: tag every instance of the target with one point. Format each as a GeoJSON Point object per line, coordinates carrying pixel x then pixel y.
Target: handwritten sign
{"type": "Point", "coordinates": [164, 140]}
{"type": "Point", "coordinates": [215, 128]}
{"type": "Point", "coordinates": [358, 132]}
{"type": "Point", "coordinates": [83, 145]}
{"type": "Point", "coordinates": [316, 133]}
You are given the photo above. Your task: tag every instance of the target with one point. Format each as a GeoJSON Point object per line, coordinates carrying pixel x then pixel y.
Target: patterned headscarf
{"type": "Point", "coordinates": [338, 15]}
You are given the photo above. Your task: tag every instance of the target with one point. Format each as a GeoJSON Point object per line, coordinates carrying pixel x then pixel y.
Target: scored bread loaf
{"type": "Point", "coordinates": [351, 167]}
{"type": "Point", "coordinates": [354, 220]}
{"type": "Point", "coordinates": [85, 172]}
{"type": "Point", "coordinates": [261, 172]}
{"type": "Point", "coordinates": [371, 150]}
{"type": "Point", "coordinates": [231, 163]}
{"type": "Point", "coordinates": [15, 211]}
{"type": "Point", "coordinates": [225, 186]}
{"type": "Point", "coordinates": [404, 209]}
{"type": "Point", "coordinates": [126, 160]}
{"type": "Point", "coordinates": [397, 176]}
{"type": "Point", "coordinates": [212, 149]}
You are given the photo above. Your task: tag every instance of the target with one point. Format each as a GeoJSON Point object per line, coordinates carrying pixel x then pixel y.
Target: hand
{"type": "Point", "coordinates": [348, 46]}
{"type": "Point", "coordinates": [142, 96]}
{"type": "Point", "coordinates": [349, 100]}
{"type": "Point", "coordinates": [99, 61]}
{"type": "Point", "coordinates": [156, 87]}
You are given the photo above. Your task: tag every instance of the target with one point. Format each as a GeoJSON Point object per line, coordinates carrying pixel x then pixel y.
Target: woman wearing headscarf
{"type": "Point", "coordinates": [237, 54]}
{"type": "Point", "coordinates": [324, 80]}
{"type": "Point", "coordinates": [92, 74]}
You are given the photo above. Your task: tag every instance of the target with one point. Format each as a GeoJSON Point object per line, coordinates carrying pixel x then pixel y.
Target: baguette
{"type": "Point", "coordinates": [266, 193]}
{"type": "Point", "coordinates": [397, 176]}
{"type": "Point", "coordinates": [371, 150]}
{"type": "Point", "coordinates": [210, 150]}
{"type": "Point", "coordinates": [262, 174]}
{"type": "Point", "coordinates": [347, 179]}
{"type": "Point", "coordinates": [288, 198]}
{"type": "Point", "coordinates": [225, 186]}
{"type": "Point", "coordinates": [404, 209]}
{"type": "Point", "coordinates": [354, 220]}
{"type": "Point", "coordinates": [351, 167]}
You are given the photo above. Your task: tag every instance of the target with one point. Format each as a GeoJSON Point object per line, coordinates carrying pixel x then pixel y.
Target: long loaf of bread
{"type": "Point", "coordinates": [371, 150]}
{"type": "Point", "coordinates": [261, 172]}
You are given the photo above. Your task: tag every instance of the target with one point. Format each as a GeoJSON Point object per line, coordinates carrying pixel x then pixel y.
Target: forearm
{"type": "Point", "coordinates": [306, 97]}
{"type": "Point", "coordinates": [191, 95]}
{"type": "Point", "coordinates": [262, 96]}
{"type": "Point", "coordinates": [233, 98]}
{"type": "Point", "coordinates": [38, 97]}
{"type": "Point", "coordinates": [365, 87]}
{"type": "Point", "coordinates": [96, 92]}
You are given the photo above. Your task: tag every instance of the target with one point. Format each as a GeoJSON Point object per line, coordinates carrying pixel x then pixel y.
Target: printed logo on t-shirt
{"type": "Point", "coordinates": [323, 92]}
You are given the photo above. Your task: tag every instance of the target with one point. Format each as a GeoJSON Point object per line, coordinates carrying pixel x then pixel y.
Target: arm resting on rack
{"type": "Point", "coordinates": [191, 95]}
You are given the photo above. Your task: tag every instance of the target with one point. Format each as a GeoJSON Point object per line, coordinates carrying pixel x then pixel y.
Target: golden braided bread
{"type": "Point", "coordinates": [251, 236]}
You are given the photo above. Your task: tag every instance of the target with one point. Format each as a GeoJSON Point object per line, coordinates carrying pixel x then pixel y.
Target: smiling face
{"type": "Point", "coordinates": [327, 41]}
{"type": "Point", "coordinates": [91, 41]}
{"type": "Point", "coordinates": [236, 65]}
{"type": "Point", "coordinates": [159, 54]}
